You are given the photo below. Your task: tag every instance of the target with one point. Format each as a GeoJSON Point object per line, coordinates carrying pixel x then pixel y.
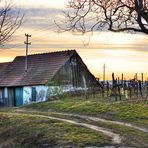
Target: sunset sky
{"type": "Point", "coordinates": [122, 52]}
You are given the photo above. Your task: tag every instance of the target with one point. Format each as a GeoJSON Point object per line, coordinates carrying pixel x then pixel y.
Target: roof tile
{"type": "Point", "coordinates": [41, 68]}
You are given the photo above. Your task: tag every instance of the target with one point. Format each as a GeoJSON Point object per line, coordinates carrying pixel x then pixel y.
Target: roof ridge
{"type": "Point", "coordinates": [6, 62]}
{"type": "Point", "coordinates": [54, 52]}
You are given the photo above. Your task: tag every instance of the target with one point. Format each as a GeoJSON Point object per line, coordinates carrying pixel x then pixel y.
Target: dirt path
{"type": "Point", "coordinates": [115, 137]}
{"type": "Point", "coordinates": [105, 121]}
{"type": "Point", "coordinates": [96, 119]}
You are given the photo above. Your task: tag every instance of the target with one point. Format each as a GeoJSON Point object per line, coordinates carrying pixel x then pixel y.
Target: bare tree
{"type": "Point", "coordinates": [113, 15]}
{"type": "Point", "coordinates": [10, 21]}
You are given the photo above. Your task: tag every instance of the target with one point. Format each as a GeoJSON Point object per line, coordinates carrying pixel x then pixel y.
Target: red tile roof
{"type": "Point", "coordinates": [41, 68]}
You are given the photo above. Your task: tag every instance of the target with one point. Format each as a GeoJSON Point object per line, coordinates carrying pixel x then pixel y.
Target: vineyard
{"type": "Point", "coordinates": [120, 89]}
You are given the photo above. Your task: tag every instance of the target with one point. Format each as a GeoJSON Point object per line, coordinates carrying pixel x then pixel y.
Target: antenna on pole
{"type": "Point", "coordinates": [27, 45]}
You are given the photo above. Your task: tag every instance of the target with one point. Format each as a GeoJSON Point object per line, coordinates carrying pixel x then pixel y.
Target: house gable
{"type": "Point", "coordinates": [73, 73]}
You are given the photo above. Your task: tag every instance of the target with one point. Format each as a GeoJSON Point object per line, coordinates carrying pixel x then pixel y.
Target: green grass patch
{"type": "Point", "coordinates": [130, 136]}
{"type": "Point", "coordinates": [23, 131]}
{"type": "Point", "coordinates": [136, 112]}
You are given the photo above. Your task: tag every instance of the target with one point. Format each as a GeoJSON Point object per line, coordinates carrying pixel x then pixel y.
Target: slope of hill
{"type": "Point", "coordinates": [75, 123]}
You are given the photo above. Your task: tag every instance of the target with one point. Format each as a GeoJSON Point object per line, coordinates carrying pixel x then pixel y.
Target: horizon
{"type": "Point", "coordinates": [121, 52]}
{"type": "Point", "coordinates": [126, 77]}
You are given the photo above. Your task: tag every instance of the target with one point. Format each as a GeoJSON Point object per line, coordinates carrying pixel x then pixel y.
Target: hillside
{"type": "Point", "coordinates": [75, 123]}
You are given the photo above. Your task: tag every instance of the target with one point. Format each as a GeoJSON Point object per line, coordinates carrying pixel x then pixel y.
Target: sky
{"type": "Point", "coordinates": [121, 52]}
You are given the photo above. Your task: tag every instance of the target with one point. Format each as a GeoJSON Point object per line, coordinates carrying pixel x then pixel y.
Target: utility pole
{"type": "Point", "coordinates": [136, 76]}
{"type": "Point", "coordinates": [27, 45]}
{"type": "Point", "coordinates": [142, 76]}
{"type": "Point", "coordinates": [122, 79]}
{"type": "Point", "coordinates": [104, 72]}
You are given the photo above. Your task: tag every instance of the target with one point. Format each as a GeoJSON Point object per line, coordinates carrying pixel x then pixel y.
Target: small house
{"type": "Point", "coordinates": [47, 74]}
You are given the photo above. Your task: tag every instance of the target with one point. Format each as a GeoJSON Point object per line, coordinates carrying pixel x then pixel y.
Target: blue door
{"type": "Point", "coordinates": [18, 96]}
{"type": "Point", "coordinates": [33, 94]}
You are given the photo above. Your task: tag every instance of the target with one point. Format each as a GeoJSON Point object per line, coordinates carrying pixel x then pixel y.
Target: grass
{"type": "Point", "coordinates": [135, 112]}
{"type": "Point", "coordinates": [131, 137]}
{"type": "Point", "coordinates": [23, 131]}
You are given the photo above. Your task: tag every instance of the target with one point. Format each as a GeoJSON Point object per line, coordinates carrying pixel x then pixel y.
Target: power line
{"type": "Point", "coordinates": [6, 47]}
{"type": "Point", "coordinates": [37, 31]}
{"type": "Point", "coordinates": [53, 35]}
